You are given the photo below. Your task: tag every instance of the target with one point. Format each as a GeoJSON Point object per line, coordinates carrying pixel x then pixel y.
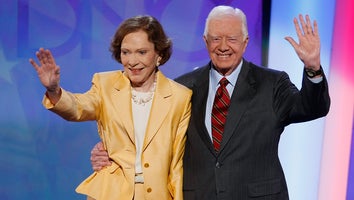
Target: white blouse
{"type": "Point", "coordinates": [141, 112]}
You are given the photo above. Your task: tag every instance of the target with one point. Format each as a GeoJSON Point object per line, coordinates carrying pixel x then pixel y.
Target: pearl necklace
{"type": "Point", "coordinates": [141, 98]}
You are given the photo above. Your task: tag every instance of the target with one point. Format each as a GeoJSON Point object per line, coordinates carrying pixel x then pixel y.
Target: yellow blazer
{"type": "Point", "coordinates": [109, 103]}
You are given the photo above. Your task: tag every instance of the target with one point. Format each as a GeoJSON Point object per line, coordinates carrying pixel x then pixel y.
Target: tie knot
{"type": "Point", "coordinates": [223, 82]}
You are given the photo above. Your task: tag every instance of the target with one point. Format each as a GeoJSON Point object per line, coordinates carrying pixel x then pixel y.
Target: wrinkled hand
{"type": "Point", "coordinates": [308, 48]}
{"type": "Point", "coordinates": [99, 157]}
{"type": "Point", "coordinates": [48, 72]}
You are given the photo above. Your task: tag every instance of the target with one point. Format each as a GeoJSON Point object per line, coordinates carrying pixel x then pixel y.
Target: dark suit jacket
{"type": "Point", "coordinates": [263, 102]}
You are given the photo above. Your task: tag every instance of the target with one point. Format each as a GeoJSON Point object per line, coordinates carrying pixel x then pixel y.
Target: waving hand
{"type": "Point", "coordinates": [308, 48]}
{"type": "Point", "coordinates": [48, 72]}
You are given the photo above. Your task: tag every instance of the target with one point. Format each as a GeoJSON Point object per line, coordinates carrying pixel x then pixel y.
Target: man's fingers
{"type": "Point", "coordinates": [98, 165]}
{"type": "Point", "coordinates": [100, 146]}
{"type": "Point", "coordinates": [303, 25]}
{"type": "Point", "coordinates": [99, 153]}
{"type": "Point", "coordinates": [292, 42]}
{"type": "Point", "coordinates": [315, 27]}
{"type": "Point", "coordinates": [99, 157]}
{"type": "Point", "coordinates": [309, 25]}
{"type": "Point", "coordinates": [298, 30]}
{"type": "Point", "coordinates": [96, 168]}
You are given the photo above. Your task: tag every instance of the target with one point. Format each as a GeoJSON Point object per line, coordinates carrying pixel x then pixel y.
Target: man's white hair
{"type": "Point", "coordinates": [222, 11]}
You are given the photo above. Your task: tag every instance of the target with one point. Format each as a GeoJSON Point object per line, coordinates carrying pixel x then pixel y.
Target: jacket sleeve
{"type": "Point", "coordinates": [176, 168]}
{"type": "Point", "coordinates": [76, 106]}
{"type": "Point", "coordinates": [310, 102]}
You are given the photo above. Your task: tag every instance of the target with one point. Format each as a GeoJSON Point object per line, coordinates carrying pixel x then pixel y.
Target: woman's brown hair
{"type": "Point", "coordinates": [154, 30]}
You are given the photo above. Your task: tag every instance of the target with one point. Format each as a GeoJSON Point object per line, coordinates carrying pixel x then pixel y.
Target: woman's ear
{"type": "Point", "coordinates": [158, 61]}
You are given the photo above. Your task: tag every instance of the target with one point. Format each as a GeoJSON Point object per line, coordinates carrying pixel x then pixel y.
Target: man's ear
{"type": "Point", "coordinates": [205, 40]}
{"type": "Point", "coordinates": [246, 43]}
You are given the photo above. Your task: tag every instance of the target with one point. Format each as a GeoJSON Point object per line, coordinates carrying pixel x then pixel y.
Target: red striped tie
{"type": "Point", "coordinates": [219, 113]}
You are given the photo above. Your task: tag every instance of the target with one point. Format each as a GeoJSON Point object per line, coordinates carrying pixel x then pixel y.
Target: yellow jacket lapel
{"type": "Point", "coordinates": [159, 109]}
{"type": "Point", "coordinates": [123, 104]}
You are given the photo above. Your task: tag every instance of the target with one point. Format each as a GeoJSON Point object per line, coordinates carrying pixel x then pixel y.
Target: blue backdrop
{"type": "Point", "coordinates": [41, 155]}
{"type": "Point", "coordinates": [45, 157]}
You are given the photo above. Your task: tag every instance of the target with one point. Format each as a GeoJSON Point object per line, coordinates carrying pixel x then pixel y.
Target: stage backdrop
{"type": "Point", "coordinates": [41, 155]}
{"type": "Point", "coordinates": [45, 157]}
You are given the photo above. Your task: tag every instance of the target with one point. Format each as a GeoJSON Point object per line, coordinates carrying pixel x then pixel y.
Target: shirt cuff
{"type": "Point", "coordinates": [316, 80]}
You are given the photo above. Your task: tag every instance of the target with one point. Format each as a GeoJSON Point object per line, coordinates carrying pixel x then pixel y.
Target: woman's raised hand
{"type": "Point", "coordinates": [48, 72]}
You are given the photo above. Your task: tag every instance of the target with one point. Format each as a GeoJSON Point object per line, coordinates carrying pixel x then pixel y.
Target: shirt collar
{"type": "Point", "coordinates": [215, 77]}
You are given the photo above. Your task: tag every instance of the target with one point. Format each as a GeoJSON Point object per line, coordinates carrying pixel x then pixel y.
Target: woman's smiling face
{"type": "Point", "coordinates": [139, 59]}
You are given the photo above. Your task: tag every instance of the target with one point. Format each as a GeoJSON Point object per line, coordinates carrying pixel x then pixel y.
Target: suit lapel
{"type": "Point", "coordinates": [160, 108]}
{"type": "Point", "coordinates": [200, 93]}
{"type": "Point", "coordinates": [122, 98]}
{"type": "Point", "coordinates": [243, 92]}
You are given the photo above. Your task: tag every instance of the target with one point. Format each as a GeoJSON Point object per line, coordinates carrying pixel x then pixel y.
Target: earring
{"type": "Point", "coordinates": [158, 61]}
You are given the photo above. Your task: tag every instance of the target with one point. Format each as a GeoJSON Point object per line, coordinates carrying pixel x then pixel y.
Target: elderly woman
{"type": "Point", "coordinates": [141, 115]}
